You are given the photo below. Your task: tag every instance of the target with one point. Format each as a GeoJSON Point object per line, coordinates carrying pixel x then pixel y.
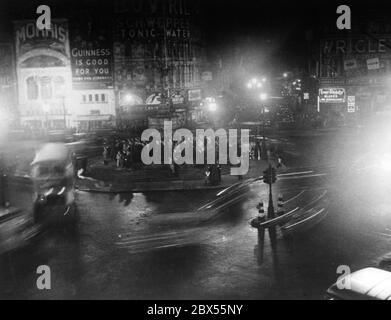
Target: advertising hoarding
{"type": "Point", "coordinates": [332, 95]}
{"type": "Point", "coordinates": [29, 38]}
{"type": "Point", "coordinates": [91, 53]}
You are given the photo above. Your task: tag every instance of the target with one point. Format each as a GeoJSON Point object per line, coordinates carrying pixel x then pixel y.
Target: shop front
{"type": "Point", "coordinates": [44, 75]}
{"type": "Point", "coordinates": [86, 123]}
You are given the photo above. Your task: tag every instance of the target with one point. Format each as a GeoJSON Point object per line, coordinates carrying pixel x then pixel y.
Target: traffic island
{"type": "Point", "coordinates": [108, 178]}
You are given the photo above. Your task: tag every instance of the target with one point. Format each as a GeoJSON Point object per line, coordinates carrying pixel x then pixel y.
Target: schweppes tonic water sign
{"type": "Point", "coordinates": [28, 37]}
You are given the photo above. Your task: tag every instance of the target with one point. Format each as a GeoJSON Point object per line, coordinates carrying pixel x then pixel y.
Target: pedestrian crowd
{"type": "Point", "coordinates": [126, 153]}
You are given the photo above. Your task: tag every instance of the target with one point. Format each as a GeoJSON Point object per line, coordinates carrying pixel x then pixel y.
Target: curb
{"type": "Point", "coordinates": [153, 189]}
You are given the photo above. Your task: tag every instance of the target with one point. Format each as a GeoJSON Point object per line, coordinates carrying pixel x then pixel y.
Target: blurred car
{"type": "Point", "coordinates": [87, 145]}
{"type": "Point", "coordinates": [17, 229]}
{"type": "Point", "coordinates": [364, 284]}
{"type": "Point", "coordinates": [59, 136]}
{"type": "Point", "coordinates": [53, 175]}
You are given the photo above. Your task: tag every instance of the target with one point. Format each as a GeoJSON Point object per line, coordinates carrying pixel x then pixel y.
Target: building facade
{"type": "Point", "coordinates": [126, 62]}
{"type": "Point", "coordinates": [8, 100]}
{"type": "Point", "coordinates": [92, 70]}
{"type": "Point", "coordinates": [353, 70]}
{"type": "Point", "coordinates": [158, 55]}
{"type": "Point", "coordinates": [43, 74]}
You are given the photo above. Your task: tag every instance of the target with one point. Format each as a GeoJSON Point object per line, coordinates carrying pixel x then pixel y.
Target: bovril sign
{"type": "Point", "coordinates": [332, 95]}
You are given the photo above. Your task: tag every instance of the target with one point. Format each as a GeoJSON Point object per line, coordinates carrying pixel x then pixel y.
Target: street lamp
{"type": "Point", "coordinates": [263, 96]}
{"type": "Point", "coordinates": [285, 74]}
{"type": "Point", "coordinates": [254, 83]}
{"type": "Point", "coordinates": [46, 109]}
{"type": "Point", "coordinates": [4, 122]}
{"type": "Point", "coordinates": [212, 106]}
{"type": "Point", "coordinates": [129, 98]}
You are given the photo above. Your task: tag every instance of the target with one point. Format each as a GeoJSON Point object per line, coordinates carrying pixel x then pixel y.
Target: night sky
{"type": "Point", "coordinates": [274, 30]}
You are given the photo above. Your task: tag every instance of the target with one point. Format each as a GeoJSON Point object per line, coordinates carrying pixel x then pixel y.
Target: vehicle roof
{"type": "Point", "coordinates": [371, 283]}
{"type": "Point", "coordinates": [51, 152]}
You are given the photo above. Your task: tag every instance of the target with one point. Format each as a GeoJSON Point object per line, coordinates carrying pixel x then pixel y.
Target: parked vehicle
{"type": "Point", "coordinates": [364, 284]}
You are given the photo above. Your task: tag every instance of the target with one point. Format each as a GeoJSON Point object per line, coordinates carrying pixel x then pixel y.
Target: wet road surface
{"type": "Point", "coordinates": [159, 246]}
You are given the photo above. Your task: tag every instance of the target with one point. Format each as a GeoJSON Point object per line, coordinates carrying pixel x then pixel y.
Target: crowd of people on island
{"type": "Point", "coordinates": [126, 154]}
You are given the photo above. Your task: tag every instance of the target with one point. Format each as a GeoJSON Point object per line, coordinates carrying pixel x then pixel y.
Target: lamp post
{"type": "Point", "coordinates": [46, 109]}
{"type": "Point", "coordinates": [4, 122]}
{"type": "Point", "coordinates": [64, 110]}
{"type": "Point", "coordinates": [255, 85]}
{"type": "Point", "coordinates": [263, 97]}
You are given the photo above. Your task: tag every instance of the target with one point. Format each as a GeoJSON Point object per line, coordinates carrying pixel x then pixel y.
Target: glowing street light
{"type": "Point", "coordinates": [212, 106]}
{"type": "Point", "coordinates": [285, 74]}
{"type": "Point", "coordinates": [129, 98]}
{"type": "Point", "coordinates": [210, 103]}
{"type": "Point", "coordinates": [263, 96]}
{"type": "Point", "coordinates": [4, 123]}
{"type": "Point", "coordinates": [254, 83]}
{"type": "Point", "coordinates": [46, 107]}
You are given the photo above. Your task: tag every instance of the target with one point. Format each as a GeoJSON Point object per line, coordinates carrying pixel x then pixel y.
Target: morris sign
{"type": "Point", "coordinates": [332, 95]}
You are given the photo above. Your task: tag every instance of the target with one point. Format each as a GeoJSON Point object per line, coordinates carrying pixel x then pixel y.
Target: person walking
{"type": "Point", "coordinates": [257, 148]}
{"type": "Point", "coordinates": [119, 159]}
{"type": "Point", "coordinates": [105, 155]}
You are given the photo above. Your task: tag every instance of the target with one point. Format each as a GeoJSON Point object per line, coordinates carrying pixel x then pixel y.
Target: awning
{"type": "Point", "coordinates": [95, 117]}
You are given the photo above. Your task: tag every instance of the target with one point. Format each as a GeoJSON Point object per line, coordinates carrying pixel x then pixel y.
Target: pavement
{"type": "Point", "coordinates": [102, 178]}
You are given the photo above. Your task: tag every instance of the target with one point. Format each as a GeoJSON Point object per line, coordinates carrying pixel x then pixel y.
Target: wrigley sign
{"type": "Point", "coordinates": [355, 46]}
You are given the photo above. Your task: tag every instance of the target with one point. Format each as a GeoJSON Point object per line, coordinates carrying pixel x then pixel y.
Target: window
{"type": "Point", "coordinates": [94, 98]}
{"type": "Point", "coordinates": [46, 88]}
{"type": "Point", "coordinates": [59, 86]}
{"type": "Point", "coordinates": [32, 89]}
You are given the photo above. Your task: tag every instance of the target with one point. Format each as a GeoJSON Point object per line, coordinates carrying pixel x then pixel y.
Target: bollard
{"type": "Point", "coordinates": [260, 208]}
{"type": "Point", "coordinates": [280, 205]}
{"type": "Point", "coordinates": [2, 192]}
{"type": "Point", "coordinates": [4, 199]}
{"type": "Point", "coordinates": [261, 231]}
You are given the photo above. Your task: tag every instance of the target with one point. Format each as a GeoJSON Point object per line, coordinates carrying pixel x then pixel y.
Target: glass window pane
{"type": "Point", "coordinates": [46, 88]}
{"type": "Point", "coordinates": [32, 89]}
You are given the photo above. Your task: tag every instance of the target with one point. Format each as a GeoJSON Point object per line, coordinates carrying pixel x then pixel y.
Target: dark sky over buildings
{"type": "Point", "coordinates": [277, 26]}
